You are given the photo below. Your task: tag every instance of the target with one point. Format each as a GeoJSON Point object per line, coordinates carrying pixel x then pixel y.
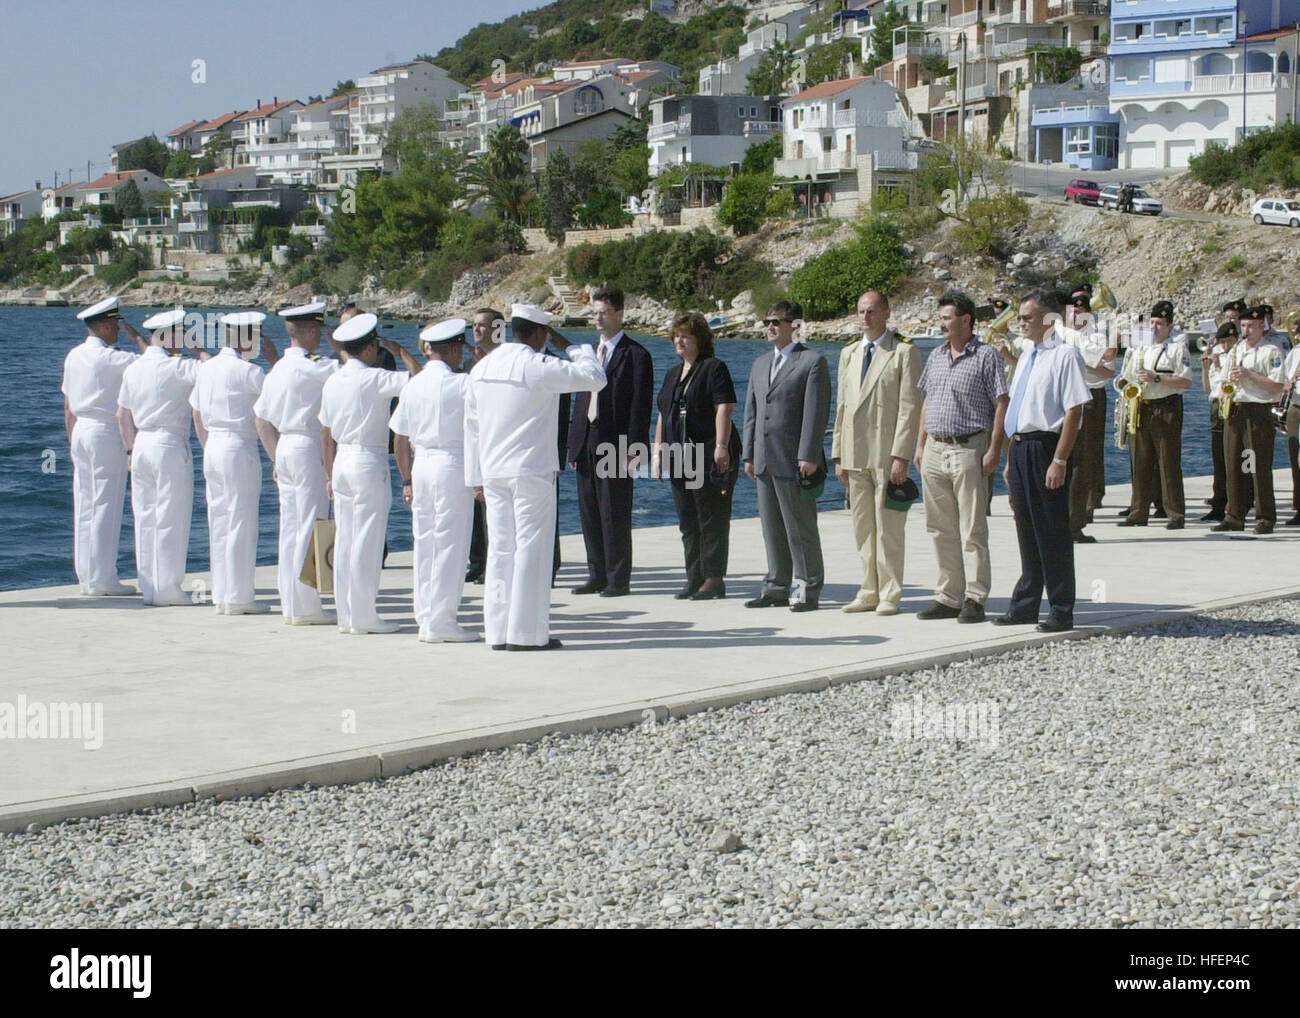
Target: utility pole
{"type": "Point", "coordinates": [961, 111]}
{"type": "Point", "coordinates": [1295, 56]}
{"type": "Point", "coordinates": [1244, 52]}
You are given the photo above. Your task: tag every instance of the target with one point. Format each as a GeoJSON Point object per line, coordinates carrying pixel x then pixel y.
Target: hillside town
{"type": "Point", "coordinates": [851, 100]}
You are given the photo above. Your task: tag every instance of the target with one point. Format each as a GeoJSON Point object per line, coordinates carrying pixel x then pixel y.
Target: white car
{"type": "Point", "coordinates": [1143, 203]}
{"type": "Point", "coordinates": [1278, 211]}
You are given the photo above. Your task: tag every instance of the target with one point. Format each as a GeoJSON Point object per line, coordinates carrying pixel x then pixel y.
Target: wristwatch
{"type": "Point", "coordinates": [1058, 462]}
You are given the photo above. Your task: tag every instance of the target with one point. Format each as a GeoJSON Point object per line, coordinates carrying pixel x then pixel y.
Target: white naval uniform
{"type": "Point", "coordinates": [354, 406]}
{"type": "Point", "coordinates": [511, 416]}
{"type": "Point", "coordinates": [92, 376]}
{"type": "Point", "coordinates": [156, 390]}
{"type": "Point", "coordinates": [290, 403]}
{"type": "Point", "coordinates": [224, 393]}
{"type": "Point", "coordinates": [431, 414]}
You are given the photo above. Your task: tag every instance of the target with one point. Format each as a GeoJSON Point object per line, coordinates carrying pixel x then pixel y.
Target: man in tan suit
{"type": "Point", "coordinates": [877, 417]}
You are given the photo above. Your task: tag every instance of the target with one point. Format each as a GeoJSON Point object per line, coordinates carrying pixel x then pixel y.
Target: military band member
{"type": "Point", "coordinates": [355, 408]}
{"type": "Point", "coordinates": [1212, 383]}
{"type": "Point", "coordinates": [1164, 371]}
{"type": "Point", "coordinates": [1088, 456]}
{"type": "Point", "coordinates": [430, 449]}
{"type": "Point", "coordinates": [225, 388]}
{"type": "Point", "coordinates": [511, 419]}
{"type": "Point", "coordinates": [1291, 375]}
{"type": "Point", "coordinates": [92, 378]}
{"type": "Point", "coordinates": [1274, 336]}
{"type": "Point", "coordinates": [1255, 367]}
{"type": "Point", "coordinates": [154, 417]}
{"type": "Point", "coordinates": [288, 422]}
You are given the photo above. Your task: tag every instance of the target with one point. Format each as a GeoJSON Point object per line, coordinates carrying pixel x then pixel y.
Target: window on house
{"type": "Point", "coordinates": [1078, 141]}
{"type": "Point", "coordinates": [826, 143]}
{"type": "Point", "coordinates": [1106, 141]}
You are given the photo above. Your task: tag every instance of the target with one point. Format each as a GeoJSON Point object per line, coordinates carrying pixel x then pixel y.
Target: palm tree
{"type": "Point", "coordinates": [502, 174]}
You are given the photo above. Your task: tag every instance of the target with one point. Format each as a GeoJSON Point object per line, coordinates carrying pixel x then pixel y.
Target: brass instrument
{"type": "Point", "coordinates": [1001, 325]}
{"type": "Point", "coordinates": [1127, 412]}
{"type": "Point", "coordinates": [1293, 324]}
{"type": "Point", "coordinates": [1107, 296]}
{"type": "Point", "coordinates": [1227, 389]}
{"type": "Point", "coordinates": [1280, 409]}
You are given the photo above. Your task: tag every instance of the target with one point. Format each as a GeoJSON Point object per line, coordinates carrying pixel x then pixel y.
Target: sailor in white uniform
{"type": "Point", "coordinates": [92, 376]}
{"type": "Point", "coordinates": [511, 415]}
{"type": "Point", "coordinates": [354, 412]}
{"type": "Point", "coordinates": [224, 393]}
{"type": "Point", "coordinates": [154, 417]}
{"type": "Point", "coordinates": [430, 427]}
{"type": "Point", "coordinates": [288, 422]}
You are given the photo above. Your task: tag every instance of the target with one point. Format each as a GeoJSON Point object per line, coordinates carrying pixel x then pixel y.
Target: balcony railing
{"type": "Point", "coordinates": [917, 48]}
{"type": "Point", "coordinates": [658, 132]}
{"type": "Point", "coordinates": [895, 160]}
{"type": "Point", "coordinates": [1203, 84]}
{"type": "Point", "coordinates": [1077, 9]}
{"type": "Point", "coordinates": [869, 118]}
{"type": "Point", "coordinates": [759, 128]}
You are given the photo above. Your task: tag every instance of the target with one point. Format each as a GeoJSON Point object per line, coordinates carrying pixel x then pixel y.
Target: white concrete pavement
{"type": "Point", "coordinates": [197, 705]}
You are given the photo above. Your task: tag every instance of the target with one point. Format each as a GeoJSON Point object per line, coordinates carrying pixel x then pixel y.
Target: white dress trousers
{"type": "Point", "coordinates": [162, 501]}
{"type": "Point", "coordinates": [232, 469]}
{"type": "Point", "coordinates": [442, 518]}
{"type": "Point", "coordinates": [363, 495]}
{"type": "Point", "coordinates": [517, 594]}
{"type": "Point", "coordinates": [98, 493]}
{"type": "Point", "coordinates": [301, 479]}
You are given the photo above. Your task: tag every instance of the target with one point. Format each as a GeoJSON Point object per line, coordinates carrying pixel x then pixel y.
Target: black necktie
{"type": "Point", "coordinates": [868, 350]}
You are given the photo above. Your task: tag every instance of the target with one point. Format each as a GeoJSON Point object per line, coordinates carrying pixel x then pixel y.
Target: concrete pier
{"type": "Point", "coordinates": [196, 705]}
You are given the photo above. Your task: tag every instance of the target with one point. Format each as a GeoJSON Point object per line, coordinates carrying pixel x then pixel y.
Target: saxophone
{"type": "Point", "coordinates": [1228, 389]}
{"type": "Point", "coordinates": [1127, 409]}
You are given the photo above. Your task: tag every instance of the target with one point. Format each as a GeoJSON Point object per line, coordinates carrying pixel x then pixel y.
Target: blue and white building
{"type": "Point", "coordinates": [1189, 73]}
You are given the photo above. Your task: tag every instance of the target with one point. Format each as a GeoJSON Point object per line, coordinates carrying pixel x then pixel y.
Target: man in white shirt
{"type": "Point", "coordinates": [1164, 371]}
{"type": "Point", "coordinates": [430, 427]}
{"type": "Point", "coordinates": [355, 406]}
{"type": "Point", "coordinates": [1048, 394]}
{"type": "Point", "coordinates": [1256, 368]}
{"type": "Point", "coordinates": [225, 390]}
{"type": "Point", "coordinates": [1088, 471]}
{"type": "Point", "coordinates": [288, 423]}
{"type": "Point", "coordinates": [511, 417]}
{"type": "Point", "coordinates": [154, 418]}
{"type": "Point", "coordinates": [92, 377]}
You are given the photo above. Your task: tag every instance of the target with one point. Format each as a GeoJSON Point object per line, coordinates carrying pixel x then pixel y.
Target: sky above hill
{"type": "Point", "coordinates": [79, 77]}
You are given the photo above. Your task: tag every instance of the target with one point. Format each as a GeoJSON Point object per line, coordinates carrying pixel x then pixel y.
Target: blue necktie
{"type": "Point", "coordinates": [1013, 411]}
{"type": "Point", "coordinates": [867, 350]}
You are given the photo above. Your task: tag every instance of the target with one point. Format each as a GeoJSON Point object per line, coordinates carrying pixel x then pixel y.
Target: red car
{"type": "Point", "coordinates": [1083, 192]}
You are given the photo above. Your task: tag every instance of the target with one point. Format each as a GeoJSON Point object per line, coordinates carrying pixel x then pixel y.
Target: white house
{"type": "Point", "coordinates": [16, 209]}
{"type": "Point", "coordinates": [58, 199]}
{"type": "Point", "coordinates": [585, 70]}
{"type": "Point", "coordinates": [263, 130]}
{"type": "Point", "coordinates": [104, 190]}
{"type": "Point", "coordinates": [843, 141]}
{"type": "Point", "coordinates": [387, 91]}
{"type": "Point", "coordinates": [565, 114]}
{"type": "Point", "coordinates": [185, 138]}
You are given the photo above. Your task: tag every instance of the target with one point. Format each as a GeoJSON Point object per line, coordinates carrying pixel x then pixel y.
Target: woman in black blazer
{"type": "Point", "coordinates": [698, 449]}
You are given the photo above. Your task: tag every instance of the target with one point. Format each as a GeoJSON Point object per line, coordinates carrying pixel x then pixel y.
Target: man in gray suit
{"type": "Point", "coordinates": [786, 411]}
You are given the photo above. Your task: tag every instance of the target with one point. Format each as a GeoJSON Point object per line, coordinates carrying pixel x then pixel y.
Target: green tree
{"type": "Point", "coordinates": [767, 77]}
{"type": "Point", "coordinates": [1055, 64]}
{"type": "Point", "coordinates": [412, 136]}
{"type": "Point", "coordinates": [882, 35]}
{"type": "Point", "coordinates": [653, 37]}
{"type": "Point", "coordinates": [220, 149]}
{"type": "Point", "coordinates": [342, 88]}
{"type": "Point", "coordinates": [558, 197]}
{"type": "Point", "coordinates": [502, 175]}
{"type": "Point", "coordinates": [744, 206]}
{"type": "Point", "coordinates": [760, 158]}
{"type": "Point", "coordinates": [129, 201]}
{"type": "Point", "coordinates": [831, 283]}
{"type": "Point", "coordinates": [146, 154]}
{"type": "Point", "coordinates": [181, 164]}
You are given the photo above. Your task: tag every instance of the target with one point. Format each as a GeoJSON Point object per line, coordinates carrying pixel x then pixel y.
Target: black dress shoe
{"type": "Point", "coordinates": [768, 601]}
{"type": "Point", "coordinates": [710, 592]}
{"type": "Point", "coordinates": [1174, 525]}
{"type": "Point", "coordinates": [615, 592]}
{"type": "Point", "coordinates": [971, 611]}
{"type": "Point", "coordinates": [1055, 625]}
{"type": "Point", "coordinates": [1264, 527]}
{"type": "Point", "coordinates": [473, 577]}
{"type": "Point", "coordinates": [1123, 512]}
{"type": "Point", "coordinates": [1083, 539]}
{"type": "Point", "coordinates": [1214, 517]}
{"type": "Point", "coordinates": [500, 646]}
{"type": "Point", "coordinates": [938, 610]}
{"type": "Point", "coordinates": [804, 606]}
{"type": "Point", "coordinates": [686, 592]}
{"type": "Point", "coordinates": [1294, 521]}
{"type": "Point", "coordinates": [1126, 522]}
{"type": "Point", "coordinates": [552, 644]}
{"type": "Point", "coordinates": [588, 588]}
{"type": "Point", "coordinates": [1015, 620]}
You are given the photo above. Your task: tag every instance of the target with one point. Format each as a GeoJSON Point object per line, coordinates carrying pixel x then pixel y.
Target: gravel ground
{"type": "Point", "coordinates": [1147, 781]}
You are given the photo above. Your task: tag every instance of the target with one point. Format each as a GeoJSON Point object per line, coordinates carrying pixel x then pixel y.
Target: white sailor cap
{"type": "Point", "coordinates": [312, 310]}
{"type": "Point", "coordinates": [243, 318]}
{"type": "Point", "coordinates": [450, 331]}
{"type": "Point", "coordinates": [106, 308]}
{"type": "Point", "coordinates": [531, 313]}
{"type": "Point", "coordinates": [359, 327]}
{"type": "Point", "coordinates": [165, 319]}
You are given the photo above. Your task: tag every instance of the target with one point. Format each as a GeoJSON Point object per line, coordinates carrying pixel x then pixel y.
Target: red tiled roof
{"type": "Point", "coordinates": [183, 128]}
{"type": "Point", "coordinates": [265, 110]}
{"type": "Point", "coordinates": [110, 180]}
{"type": "Point", "coordinates": [827, 88]}
{"type": "Point", "coordinates": [220, 121]}
{"type": "Point", "coordinates": [222, 173]}
{"type": "Point", "coordinates": [400, 67]}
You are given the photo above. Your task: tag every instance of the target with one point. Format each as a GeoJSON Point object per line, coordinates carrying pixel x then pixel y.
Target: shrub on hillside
{"type": "Point", "coordinates": [830, 284]}
{"type": "Point", "coordinates": [987, 223]}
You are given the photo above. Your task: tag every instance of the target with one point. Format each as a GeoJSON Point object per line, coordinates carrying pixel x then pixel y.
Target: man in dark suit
{"type": "Point", "coordinates": [607, 432]}
{"type": "Point", "coordinates": [786, 412]}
